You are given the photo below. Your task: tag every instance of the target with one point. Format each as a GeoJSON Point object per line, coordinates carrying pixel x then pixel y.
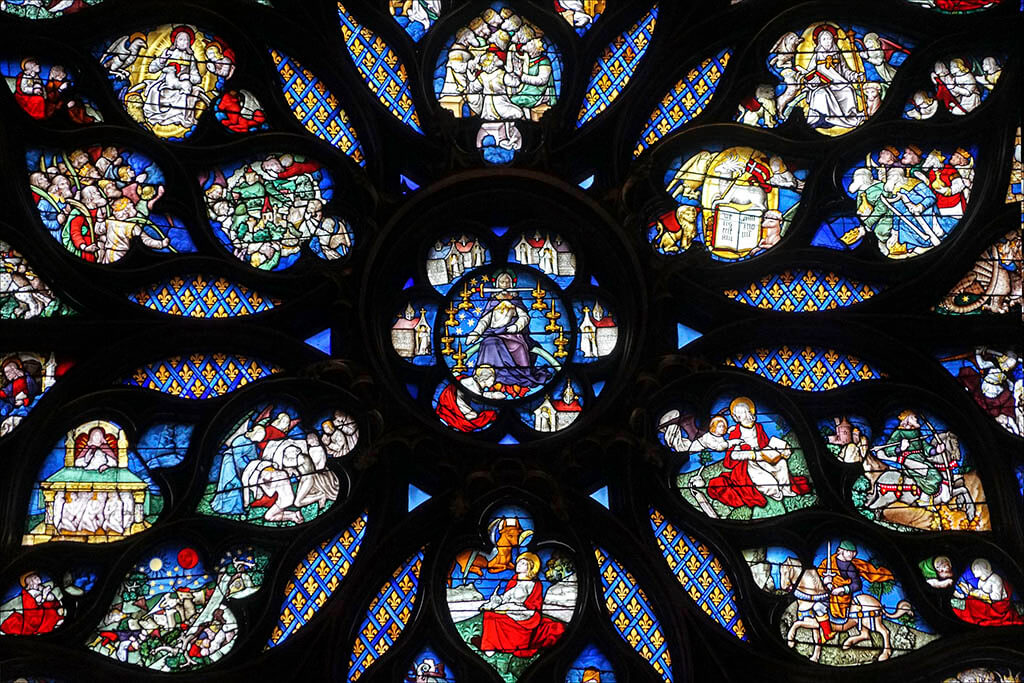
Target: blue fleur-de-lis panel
{"type": "Point", "coordinates": [23, 294]}
{"type": "Point", "coordinates": [592, 666]}
{"type": "Point", "coordinates": [809, 368]}
{"type": "Point", "coordinates": [165, 77]}
{"type": "Point", "coordinates": [45, 90]}
{"type": "Point", "coordinates": [200, 375]}
{"type": "Point", "coordinates": [687, 98]}
{"type": "Point", "coordinates": [316, 578]}
{"type": "Point", "coordinates": [203, 296]}
{"type": "Point", "coordinates": [984, 597]}
{"type": "Point", "coordinates": [386, 617]}
{"type": "Point", "coordinates": [380, 67]}
{"type": "Point", "coordinates": [632, 615]}
{"type": "Point", "coordinates": [991, 376]}
{"type": "Point", "coordinates": [839, 631]}
{"type": "Point", "coordinates": [917, 473]}
{"type": "Point", "coordinates": [836, 75]}
{"type": "Point", "coordinates": [265, 209]}
{"type": "Point", "coordinates": [616, 66]}
{"type": "Point", "coordinates": [23, 614]}
{"type": "Point", "coordinates": [183, 603]}
{"type": "Point", "coordinates": [415, 16]}
{"type": "Point", "coordinates": [959, 85]}
{"type": "Point", "coordinates": [717, 475]}
{"type": "Point", "coordinates": [580, 14]}
{"type": "Point", "coordinates": [993, 284]}
{"type": "Point", "coordinates": [94, 487]}
{"type": "Point", "coordinates": [700, 573]}
{"type": "Point", "coordinates": [427, 666]}
{"type": "Point", "coordinates": [240, 111]}
{"type": "Point", "coordinates": [733, 202]}
{"type": "Point", "coordinates": [956, 6]}
{"type": "Point", "coordinates": [909, 199]}
{"type": "Point", "coordinates": [97, 201]}
{"type": "Point", "coordinates": [273, 468]}
{"type": "Point", "coordinates": [803, 291]}
{"type": "Point", "coordinates": [316, 107]}
{"type": "Point", "coordinates": [26, 376]}
{"type": "Point", "coordinates": [30, 9]}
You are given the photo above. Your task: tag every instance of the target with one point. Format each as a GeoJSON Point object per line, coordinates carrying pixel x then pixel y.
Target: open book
{"type": "Point", "coordinates": [737, 231]}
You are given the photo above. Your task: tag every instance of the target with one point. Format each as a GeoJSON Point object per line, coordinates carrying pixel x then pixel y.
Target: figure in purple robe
{"type": "Point", "coordinates": [503, 334]}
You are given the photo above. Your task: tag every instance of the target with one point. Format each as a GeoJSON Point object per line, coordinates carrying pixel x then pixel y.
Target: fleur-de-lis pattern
{"type": "Point", "coordinates": [805, 369]}
{"type": "Point", "coordinates": [200, 375]}
{"type": "Point", "coordinates": [803, 291]}
{"type": "Point", "coordinates": [202, 296]}
{"type": "Point", "coordinates": [616, 67]}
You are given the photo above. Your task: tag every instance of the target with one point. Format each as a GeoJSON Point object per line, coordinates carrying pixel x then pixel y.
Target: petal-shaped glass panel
{"type": "Point", "coordinates": [23, 294]}
{"type": "Point", "coordinates": [991, 377]}
{"type": "Point", "coordinates": [687, 98]}
{"type": "Point", "coordinates": [591, 667]}
{"type": "Point", "coordinates": [36, 10]}
{"type": "Point", "coordinates": [202, 296]}
{"type": "Point", "coordinates": [380, 67]}
{"type": "Point", "coordinates": [835, 74]}
{"type": "Point", "coordinates": [320, 573]}
{"type": "Point", "coordinates": [520, 573]}
{"type": "Point", "coordinates": [737, 202]}
{"type": "Point", "coordinates": [98, 200]}
{"type": "Point", "coordinates": [744, 463]}
{"type": "Point", "coordinates": [382, 627]}
{"type": "Point", "coordinates": [451, 256]}
{"type": "Point", "coordinates": [700, 573]}
{"type": "Point", "coordinates": [316, 107]}
{"type": "Point", "coordinates": [960, 85]}
{"type": "Point", "coordinates": [993, 284]}
{"type": "Point", "coordinates": [597, 333]}
{"type": "Point", "coordinates": [26, 377]}
{"type": "Point", "coordinates": [632, 615]}
{"type": "Point", "coordinates": [615, 67]}
{"type": "Point", "coordinates": [428, 666]}
{"type": "Point", "coordinates": [201, 375]}
{"type": "Point", "coordinates": [867, 617]}
{"type": "Point", "coordinates": [193, 605]}
{"type": "Point", "coordinates": [92, 488]}
{"type": "Point", "coordinates": [37, 604]}
{"type": "Point", "coordinates": [809, 368]}
{"type": "Point", "coordinates": [412, 333]}
{"type": "Point", "coordinates": [272, 469]}
{"type": "Point", "coordinates": [917, 475]}
{"type": "Point", "coordinates": [415, 16]}
{"type": "Point", "coordinates": [46, 91]}
{"type": "Point", "coordinates": [165, 77]}
{"type": "Point", "coordinates": [803, 291]}
{"type": "Point", "coordinates": [908, 201]}
{"type": "Point", "coordinates": [265, 209]}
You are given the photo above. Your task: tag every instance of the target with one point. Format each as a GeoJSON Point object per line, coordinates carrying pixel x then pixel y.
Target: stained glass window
{"type": "Point", "coordinates": [493, 341]}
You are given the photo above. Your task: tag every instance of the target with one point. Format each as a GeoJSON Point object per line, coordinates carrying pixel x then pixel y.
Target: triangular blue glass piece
{"type": "Point", "coordinates": [499, 231]}
{"type": "Point", "coordinates": [587, 182]}
{"type": "Point", "coordinates": [417, 497]}
{"type": "Point", "coordinates": [685, 335]}
{"type": "Point", "coordinates": [413, 390]}
{"type": "Point", "coordinates": [598, 387]}
{"type": "Point", "coordinates": [509, 440]}
{"type": "Point", "coordinates": [321, 341]}
{"type": "Point", "coordinates": [593, 281]}
{"type": "Point", "coordinates": [407, 183]}
{"type": "Point", "coordinates": [601, 496]}
{"type": "Point", "coordinates": [408, 283]}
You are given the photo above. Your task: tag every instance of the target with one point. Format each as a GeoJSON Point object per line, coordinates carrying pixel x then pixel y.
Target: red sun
{"type": "Point", "coordinates": [187, 558]}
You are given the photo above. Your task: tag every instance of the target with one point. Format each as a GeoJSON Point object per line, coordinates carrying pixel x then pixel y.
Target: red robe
{"type": "Point", "coordinates": [734, 488]}
{"type": "Point", "coordinates": [502, 633]}
{"type": "Point", "coordinates": [34, 105]}
{"type": "Point", "coordinates": [982, 613]}
{"type": "Point", "coordinates": [947, 204]}
{"type": "Point", "coordinates": [34, 618]}
{"type": "Point", "coordinates": [448, 410]}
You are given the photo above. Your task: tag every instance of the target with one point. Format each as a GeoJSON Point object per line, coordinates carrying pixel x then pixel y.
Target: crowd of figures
{"type": "Point", "coordinates": [23, 294]}
{"type": "Point", "coordinates": [959, 86]}
{"type": "Point", "coordinates": [264, 210]}
{"type": "Point", "coordinates": [836, 75]}
{"type": "Point", "coordinates": [270, 470]}
{"type": "Point", "coordinates": [502, 69]}
{"type": "Point", "coordinates": [97, 200]}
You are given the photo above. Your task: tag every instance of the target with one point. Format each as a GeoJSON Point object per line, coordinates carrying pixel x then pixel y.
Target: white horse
{"type": "Point", "coordinates": [866, 614]}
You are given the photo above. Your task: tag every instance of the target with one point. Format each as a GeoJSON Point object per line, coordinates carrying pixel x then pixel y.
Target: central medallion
{"type": "Point", "coordinates": [505, 332]}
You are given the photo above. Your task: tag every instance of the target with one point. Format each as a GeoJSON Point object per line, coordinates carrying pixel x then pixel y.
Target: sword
{"type": "Point", "coordinates": [925, 230]}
